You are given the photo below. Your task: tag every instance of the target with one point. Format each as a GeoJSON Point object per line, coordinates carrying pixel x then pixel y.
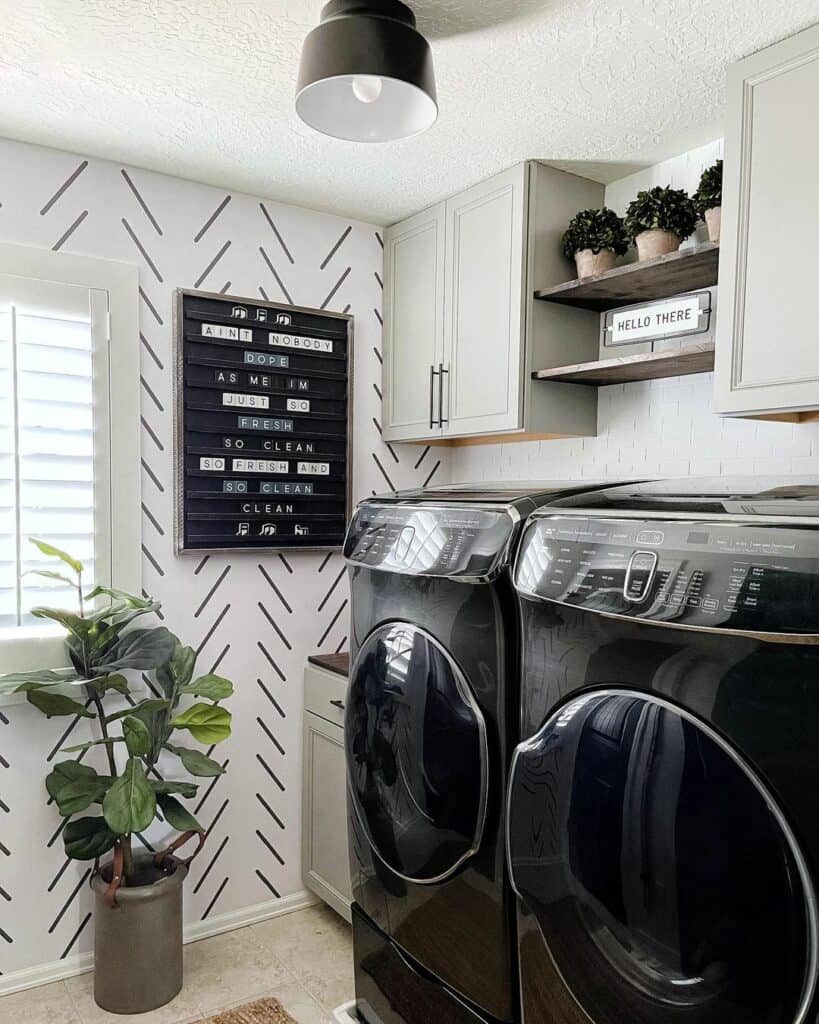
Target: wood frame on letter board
{"type": "Point", "coordinates": [179, 411]}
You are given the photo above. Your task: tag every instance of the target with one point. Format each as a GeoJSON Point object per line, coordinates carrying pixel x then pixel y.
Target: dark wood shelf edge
{"type": "Point", "coordinates": [686, 270]}
{"type": "Point", "coordinates": [627, 369]}
{"type": "Point", "coordinates": [338, 663]}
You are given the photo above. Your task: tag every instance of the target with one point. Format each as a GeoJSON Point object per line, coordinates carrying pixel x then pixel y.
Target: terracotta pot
{"type": "Point", "coordinates": [656, 242]}
{"type": "Point", "coordinates": [590, 263]}
{"type": "Point", "coordinates": [138, 943]}
{"type": "Point", "coordinates": [713, 218]}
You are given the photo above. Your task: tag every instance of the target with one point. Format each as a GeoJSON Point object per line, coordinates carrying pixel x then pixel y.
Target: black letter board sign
{"type": "Point", "coordinates": [263, 440]}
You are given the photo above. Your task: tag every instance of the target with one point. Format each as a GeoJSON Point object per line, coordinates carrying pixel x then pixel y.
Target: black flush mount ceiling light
{"type": "Point", "coordinates": [366, 73]}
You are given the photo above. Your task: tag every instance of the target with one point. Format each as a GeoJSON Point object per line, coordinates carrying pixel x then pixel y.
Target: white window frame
{"type": "Point", "coordinates": [118, 468]}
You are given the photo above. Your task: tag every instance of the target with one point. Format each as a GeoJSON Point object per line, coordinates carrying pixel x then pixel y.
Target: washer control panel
{"type": "Point", "coordinates": [761, 578]}
{"type": "Point", "coordinates": [426, 540]}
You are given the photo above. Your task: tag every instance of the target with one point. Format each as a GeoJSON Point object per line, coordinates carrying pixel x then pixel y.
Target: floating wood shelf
{"type": "Point", "coordinates": [683, 271]}
{"type": "Point", "coordinates": [625, 369]}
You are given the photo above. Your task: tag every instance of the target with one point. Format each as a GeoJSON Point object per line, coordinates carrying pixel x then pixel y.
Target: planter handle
{"type": "Point", "coordinates": [160, 858]}
{"type": "Point", "coordinates": [116, 877]}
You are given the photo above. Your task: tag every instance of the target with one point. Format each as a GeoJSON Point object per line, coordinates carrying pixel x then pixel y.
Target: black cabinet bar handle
{"type": "Point", "coordinates": [338, 704]}
{"type": "Point", "coordinates": [432, 374]}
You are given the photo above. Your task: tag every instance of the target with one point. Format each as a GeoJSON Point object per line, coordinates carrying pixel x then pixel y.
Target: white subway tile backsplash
{"type": "Point", "coordinates": [678, 438]}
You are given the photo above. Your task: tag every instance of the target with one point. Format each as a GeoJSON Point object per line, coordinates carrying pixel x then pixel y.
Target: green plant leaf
{"type": "Point", "coordinates": [137, 737]}
{"type": "Point", "coordinates": [141, 649]}
{"type": "Point", "coordinates": [197, 763]}
{"type": "Point", "coordinates": [91, 743]}
{"type": "Point", "coordinates": [102, 684]}
{"type": "Point", "coordinates": [119, 595]}
{"type": "Point", "coordinates": [56, 705]}
{"type": "Point", "coordinates": [51, 677]}
{"type": "Point", "coordinates": [87, 838]}
{"type": "Point", "coordinates": [186, 789]}
{"type": "Point", "coordinates": [210, 687]}
{"type": "Point", "coordinates": [74, 787]}
{"type": "Point", "coordinates": [130, 803]}
{"type": "Point", "coordinates": [22, 682]}
{"type": "Point", "coordinates": [75, 625]}
{"type": "Point", "coordinates": [155, 723]}
{"type": "Point", "coordinates": [52, 552]}
{"type": "Point", "coordinates": [106, 612]}
{"type": "Point", "coordinates": [177, 816]}
{"type": "Point", "coordinates": [150, 704]}
{"type": "Point", "coordinates": [49, 575]}
{"type": "Point", "coordinates": [207, 723]}
{"type": "Point", "coordinates": [65, 772]}
{"type": "Point", "coordinates": [178, 671]}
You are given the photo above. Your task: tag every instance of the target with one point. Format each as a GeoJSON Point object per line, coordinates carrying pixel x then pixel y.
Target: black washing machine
{"type": "Point", "coordinates": [663, 807]}
{"type": "Point", "coordinates": [430, 725]}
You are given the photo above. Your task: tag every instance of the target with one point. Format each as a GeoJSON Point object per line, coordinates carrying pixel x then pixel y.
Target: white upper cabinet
{"type": "Point", "coordinates": [767, 356]}
{"type": "Point", "coordinates": [414, 309]}
{"type": "Point", "coordinates": [461, 336]}
{"type": "Point", "coordinates": [484, 305]}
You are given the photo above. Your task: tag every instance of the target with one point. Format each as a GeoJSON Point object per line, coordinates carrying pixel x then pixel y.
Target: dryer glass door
{"type": "Point", "coordinates": [416, 754]}
{"type": "Point", "coordinates": [664, 880]}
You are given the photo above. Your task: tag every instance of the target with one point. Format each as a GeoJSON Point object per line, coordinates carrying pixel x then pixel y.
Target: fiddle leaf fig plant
{"type": "Point", "coordinates": [102, 644]}
{"type": "Point", "coordinates": [664, 209]}
{"type": "Point", "coordinates": [709, 194]}
{"type": "Point", "coordinates": [595, 230]}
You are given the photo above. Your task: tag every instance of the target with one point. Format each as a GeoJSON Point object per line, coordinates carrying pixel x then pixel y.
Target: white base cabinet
{"type": "Point", "coordinates": [462, 333]}
{"type": "Point", "coordinates": [767, 347]}
{"type": "Point", "coordinates": [325, 853]}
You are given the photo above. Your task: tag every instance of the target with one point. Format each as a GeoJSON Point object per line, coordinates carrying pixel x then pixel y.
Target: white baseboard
{"type": "Point", "coordinates": [241, 918]}
{"type": "Point", "coordinates": [80, 963]}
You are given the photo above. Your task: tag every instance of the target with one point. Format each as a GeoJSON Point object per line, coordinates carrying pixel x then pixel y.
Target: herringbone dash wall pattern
{"type": "Point", "coordinates": [256, 618]}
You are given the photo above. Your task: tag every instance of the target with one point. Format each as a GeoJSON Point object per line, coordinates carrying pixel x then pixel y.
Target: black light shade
{"type": "Point", "coordinates": [366, 73]}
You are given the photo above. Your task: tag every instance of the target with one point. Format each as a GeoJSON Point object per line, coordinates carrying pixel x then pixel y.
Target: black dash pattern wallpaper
{"type": "Point", "coordinates": [254, 618]}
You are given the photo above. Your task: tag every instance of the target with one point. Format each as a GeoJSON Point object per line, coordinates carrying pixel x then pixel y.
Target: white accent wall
{"type": "Point", "coordinates": [255, 617]}
{"type": "Point", "coordinates": [654, 428]}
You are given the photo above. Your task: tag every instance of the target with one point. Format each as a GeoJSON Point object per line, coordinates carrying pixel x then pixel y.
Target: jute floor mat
{"type": "Point", "coordinates": [263, 1011]}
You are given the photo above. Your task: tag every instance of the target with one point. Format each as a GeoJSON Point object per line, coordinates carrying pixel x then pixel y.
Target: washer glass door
{"type": "Point", "coordinates": [416, 754]}
{"type": "Point", "coordinates": [665, 882]}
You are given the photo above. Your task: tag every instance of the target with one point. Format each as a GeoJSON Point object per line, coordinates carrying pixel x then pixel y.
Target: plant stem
{"type": "Point", "coordinates": [127, 858]}
{"type": "Point", "coordinates": [109, 747]}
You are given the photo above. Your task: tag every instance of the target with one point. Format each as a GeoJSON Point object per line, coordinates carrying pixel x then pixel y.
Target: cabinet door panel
{"type": "Point", "coordinates": [767, 338]}
{"type": "Point", "coordinates": [484, 305]}
{"type": "Point", "coordinates": [325, 854]}
{"type": "Point", "coordinates": [413, 324]}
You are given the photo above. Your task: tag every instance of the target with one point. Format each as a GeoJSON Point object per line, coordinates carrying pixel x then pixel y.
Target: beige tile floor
{"type": "Point", "coordinates": [303, 959]}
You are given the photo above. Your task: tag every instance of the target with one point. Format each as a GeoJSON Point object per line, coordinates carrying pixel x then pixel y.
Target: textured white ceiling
{"type": "Point", "coordinates": [204, 89]}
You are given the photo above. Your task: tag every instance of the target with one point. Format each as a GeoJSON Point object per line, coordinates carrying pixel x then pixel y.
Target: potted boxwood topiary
{"type": "Point", "coordinates": [594, 239]}
{"type": "Point", "coordinates": [659, 220]}
{"type": "Point", "coordinates": [708, 199]}
{"type": "Point", "coordinates": [138, 897]}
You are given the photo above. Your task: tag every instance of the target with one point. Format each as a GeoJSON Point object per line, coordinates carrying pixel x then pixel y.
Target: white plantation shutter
{"type": "Point", "coordinates": [50, 390]}
{"type": "Point", "coordinates": [8, 518]}
{"type": "Point", "coordinates": [69, 439]}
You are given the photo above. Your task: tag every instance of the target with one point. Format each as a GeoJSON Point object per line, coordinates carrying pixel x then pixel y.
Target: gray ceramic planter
{"type": "Point", "coordinates": [138, 944]}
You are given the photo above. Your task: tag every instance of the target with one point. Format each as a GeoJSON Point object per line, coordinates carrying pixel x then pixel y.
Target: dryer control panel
{"type": "Point", "coordinates": [759, 578]}
{"type": "Point", "coordinates": [458, 542]}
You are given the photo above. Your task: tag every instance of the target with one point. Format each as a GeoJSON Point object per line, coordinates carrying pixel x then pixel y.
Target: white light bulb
{"type": "Point", "coordinates": [367, 88]}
